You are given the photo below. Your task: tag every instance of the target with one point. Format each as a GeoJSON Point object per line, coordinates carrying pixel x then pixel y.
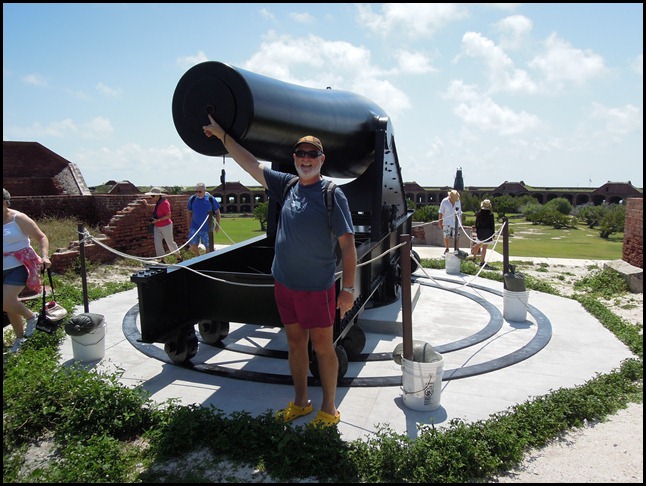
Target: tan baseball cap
{"type": "Point", "coordinates": [311, 140]}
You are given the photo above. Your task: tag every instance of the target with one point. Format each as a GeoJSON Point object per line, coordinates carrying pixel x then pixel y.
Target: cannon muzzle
{"type": "Point", "coordinates": [268, 116]}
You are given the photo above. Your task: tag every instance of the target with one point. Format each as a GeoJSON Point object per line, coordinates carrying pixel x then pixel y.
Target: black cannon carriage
{"type": "Point", "coordinates": [235, 284]}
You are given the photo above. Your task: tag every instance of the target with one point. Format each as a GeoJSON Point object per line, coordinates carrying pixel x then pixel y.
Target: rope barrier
{"type": "Point", "coordinates": [467, 282]}
{"type": "Point", "coordinates": [205, 273]}
{"type": "Point", "coordinates": [88, 236]}
{"type": "Point", "coordinates": [201, 273]}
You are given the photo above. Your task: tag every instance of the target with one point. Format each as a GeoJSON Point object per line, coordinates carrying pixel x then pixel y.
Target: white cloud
{"type": "Point", "coordinates": [309, 60]}
{"type": "Point", "coordinates": [563, 64]}
{"type": "Point", "coordinates": [503, 76]}
{"type": "Point", "coordinates": [513, 31]}
{"type": "Point", "coordinates": [267, 14]}
{"type": "Point", "coordinates": [415, 20]}
{"type": "Point", "coordinates": [188, 62]}
{"type": "Point", "coordinates": [107, 91]}
{"type": "Point", "coordinates": [481, 112]}
{"type": "Point", "coordinates": [638, 64]}
{"type": "Point", "coordinates": [149, 166]}
{"type": "Point", "coordinates": [97, 128]}
{"type": "Point", "coordinates": [412, 62]}
{"type": "Point", "coordinates": [436, 149]}
{"type": "Point", "coordinates": [34, 80]}
{"type": "Point", "coordinates": [318, 63]}
{"type": "Point", "coordinates": [386, 95]}
{"type": "Point", "coordinates": [79, 95]}
{"type": "Point", "coordinates": [621, 120]}
{"type": "Point", "coordinates": [301, 17]}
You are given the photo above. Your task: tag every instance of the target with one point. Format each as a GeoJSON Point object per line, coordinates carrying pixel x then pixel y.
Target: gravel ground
{"type": "Point", "coordinates": [602, 452]}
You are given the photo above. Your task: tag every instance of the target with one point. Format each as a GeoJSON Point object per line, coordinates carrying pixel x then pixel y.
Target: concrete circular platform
{"type": "Point", "coordinates": [275, 349]}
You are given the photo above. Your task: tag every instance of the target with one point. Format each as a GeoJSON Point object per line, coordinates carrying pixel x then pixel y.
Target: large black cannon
{"type": "Point", "coordinates": [235, 284]}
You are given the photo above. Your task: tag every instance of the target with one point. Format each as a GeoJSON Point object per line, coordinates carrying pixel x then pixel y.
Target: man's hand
{"type": "Point", "coordinates": [344, 302]}
{"type": "Point", "coordinates": [213, 129]}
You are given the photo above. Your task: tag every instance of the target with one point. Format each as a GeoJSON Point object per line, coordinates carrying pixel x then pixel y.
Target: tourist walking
{"type": "Point", "coordinates": [161, 218]}
{"type": "Point", "coordinates": [21, 267]}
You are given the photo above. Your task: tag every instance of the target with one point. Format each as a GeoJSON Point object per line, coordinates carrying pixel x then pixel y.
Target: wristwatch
{"type": "Point", "coordinates": [348, 289]}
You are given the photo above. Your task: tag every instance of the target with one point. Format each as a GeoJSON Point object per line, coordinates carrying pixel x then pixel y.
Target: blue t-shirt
{"type": "Point", "coordinates": [305, 257]}
{"type": "Point", "coordinates": [201, 208]}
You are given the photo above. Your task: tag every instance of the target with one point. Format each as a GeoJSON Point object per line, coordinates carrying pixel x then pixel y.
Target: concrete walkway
{"type": "Point", "coordinates": [491, 360]}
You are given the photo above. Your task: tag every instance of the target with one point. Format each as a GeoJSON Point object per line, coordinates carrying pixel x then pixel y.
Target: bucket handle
{"type": "Point", "coordinates": [430, 379]}
{"type": "Point", "coordinates": [90, 344]}
{"type": "Point", "coordinates": [516, 297]}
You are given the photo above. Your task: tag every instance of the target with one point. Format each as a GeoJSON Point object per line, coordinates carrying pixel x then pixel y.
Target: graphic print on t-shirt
{"type": "Point", "coordinates": [298, 203]}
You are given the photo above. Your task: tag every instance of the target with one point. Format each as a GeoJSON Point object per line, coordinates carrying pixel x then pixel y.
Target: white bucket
{"type": "Point", "coordinates": [515, 305]}
{"type": "Point", "coordinates": [90, 346]}
{"type": "Point", "coordinates": [452, 264]}
{"type": "Point", "coordinates": [422, 384]}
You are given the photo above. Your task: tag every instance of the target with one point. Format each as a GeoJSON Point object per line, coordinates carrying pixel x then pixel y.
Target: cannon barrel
{"type": "Point", "coordinates": [268, 116]}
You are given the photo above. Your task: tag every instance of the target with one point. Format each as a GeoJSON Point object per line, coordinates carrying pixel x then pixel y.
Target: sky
{"type": "Point", "coordinates": [547, 94]}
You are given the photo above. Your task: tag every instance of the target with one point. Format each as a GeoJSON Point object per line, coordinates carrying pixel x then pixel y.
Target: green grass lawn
{"type": "Point", "coordinates": [236, 229]}
{"type": "Point", "coordinates": [529, 240]}
{"type": "Point", "coordinates": [526, 239]}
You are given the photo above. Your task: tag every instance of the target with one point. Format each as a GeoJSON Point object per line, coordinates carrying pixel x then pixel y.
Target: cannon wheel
{"type": "Point", "coordinates": [414, 258]}
{"type": "Point", "coordinates": [213, 332]}
{"type": "Point", "coordinates": [392, 283]}
{"type": "Point", "coordinates": [343, 363]}
{"type": "Point", "coordinates": [393, 279]}
{"type": "Point", "coordinates": [182, 347]}
{"type": "Point", "coordinates": [354, 342]}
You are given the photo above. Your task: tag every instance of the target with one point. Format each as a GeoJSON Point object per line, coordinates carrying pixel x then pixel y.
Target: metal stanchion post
{"type": "Point", "coordinates": [211, 223]}
{"type": "Point", "coordinates": [505, 245]}
{"type": "Point", "coordinates": [407, 318]}
{"type": "Point", "coordinates": [81, 232]}
{"type": "Point", "coordinates": [456, 229]}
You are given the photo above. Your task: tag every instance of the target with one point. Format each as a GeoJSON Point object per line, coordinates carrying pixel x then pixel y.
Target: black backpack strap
{"type": "Point", "coordinates": [329, 187]}
{"type": "Point", "coordinates": [190, 202]}
{"type": "Point", "coordinates": [292, 182]}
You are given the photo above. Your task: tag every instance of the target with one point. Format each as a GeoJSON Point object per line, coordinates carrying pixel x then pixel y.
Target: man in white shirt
{"type": "Point", "coordinates": [450, 210]}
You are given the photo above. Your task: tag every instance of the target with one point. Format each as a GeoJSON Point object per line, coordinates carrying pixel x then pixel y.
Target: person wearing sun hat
{"type": "Point", "coordinates": [304, 266]}
{"type": "Point", "coordinates": [485, 229]}
{"type": "Point", "coordinates": [161, 218]}
{"type": "Point", "coordinates": [450, 210]}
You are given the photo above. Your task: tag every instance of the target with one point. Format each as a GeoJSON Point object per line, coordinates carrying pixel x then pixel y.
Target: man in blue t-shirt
{"type": "Point", "coordinates": [201, 209]}
{"type": "Point", "coordinates": [304, 266]}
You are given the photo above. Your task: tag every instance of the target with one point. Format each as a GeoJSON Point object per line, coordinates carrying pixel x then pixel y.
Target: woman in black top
{"type": "Point", "coordinates": [485, 228]}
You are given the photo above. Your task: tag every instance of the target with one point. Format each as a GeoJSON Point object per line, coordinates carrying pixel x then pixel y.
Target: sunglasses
{"type": "Point", "coordinates": [199, 192]}
{"type": "Point", "coordinates": [311, 154]}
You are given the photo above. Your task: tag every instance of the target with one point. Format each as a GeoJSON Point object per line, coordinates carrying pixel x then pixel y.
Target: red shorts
{"type": "Point", "coordinates": [308, 308]}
